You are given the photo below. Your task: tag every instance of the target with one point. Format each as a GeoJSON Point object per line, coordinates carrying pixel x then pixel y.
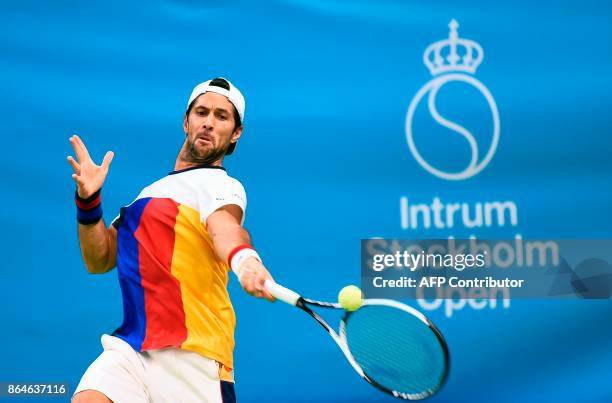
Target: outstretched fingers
{"type": "Point", "coordinates": [75, 165]}
{"type": "Point", "coordinates": [79, 148]}
{"type": "Point", "coordinates": [108, 158]}
{"type": "Point", "coordinates": [77, 179]}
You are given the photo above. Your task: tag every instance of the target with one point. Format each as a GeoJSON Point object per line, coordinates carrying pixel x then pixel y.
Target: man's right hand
{"type": "Point", "coordinates": [88, 176]}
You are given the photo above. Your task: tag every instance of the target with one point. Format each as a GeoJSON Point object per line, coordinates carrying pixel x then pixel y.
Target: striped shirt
{"type": "Point", "coordinates": [174, 286]}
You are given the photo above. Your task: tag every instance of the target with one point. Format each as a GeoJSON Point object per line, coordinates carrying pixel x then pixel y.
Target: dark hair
{"type": "Point", "coordinates": [220, 82]}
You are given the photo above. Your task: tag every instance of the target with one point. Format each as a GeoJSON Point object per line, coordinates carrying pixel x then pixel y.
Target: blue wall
{"type": "Point", "coordinates": [325, 161]}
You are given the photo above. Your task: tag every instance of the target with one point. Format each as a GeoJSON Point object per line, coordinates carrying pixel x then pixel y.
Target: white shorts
{"type": "Point", "coordinates": [168, 375]}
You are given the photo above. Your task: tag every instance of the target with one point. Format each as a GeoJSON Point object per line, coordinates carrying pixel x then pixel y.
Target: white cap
{"type": "Point", "coordinates": [233, 94]}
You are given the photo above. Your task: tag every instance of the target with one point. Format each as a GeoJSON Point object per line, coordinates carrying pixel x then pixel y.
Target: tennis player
{"type": "Point", "coordinates": [173, 247]}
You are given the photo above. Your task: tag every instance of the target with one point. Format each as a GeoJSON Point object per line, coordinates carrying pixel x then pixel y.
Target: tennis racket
{"type": "Point", "coordinates": [391, 345]}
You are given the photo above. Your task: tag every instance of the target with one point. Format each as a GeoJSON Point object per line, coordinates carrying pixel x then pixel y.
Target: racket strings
{"type": "Point", "coordinates": [396, 350]}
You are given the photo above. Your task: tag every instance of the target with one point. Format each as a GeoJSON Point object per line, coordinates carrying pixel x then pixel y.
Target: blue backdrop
{"type": "Point", "coordinates": [326, 161]}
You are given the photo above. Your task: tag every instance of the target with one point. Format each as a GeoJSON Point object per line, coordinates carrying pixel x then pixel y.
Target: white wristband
{"type": "Point", "coordinates": [239, 258]}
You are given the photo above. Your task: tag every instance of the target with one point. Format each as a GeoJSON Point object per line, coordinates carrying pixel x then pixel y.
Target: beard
{"type": "Point", "coordinates": [202, 156]}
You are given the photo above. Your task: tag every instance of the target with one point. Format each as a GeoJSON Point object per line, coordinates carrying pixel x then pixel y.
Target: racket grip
{"type": "Point", "coordinates": [282, 293]}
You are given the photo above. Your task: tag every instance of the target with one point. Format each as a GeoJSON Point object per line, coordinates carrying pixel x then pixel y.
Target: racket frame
{"type": "Point", "coordinates": [292, 298]}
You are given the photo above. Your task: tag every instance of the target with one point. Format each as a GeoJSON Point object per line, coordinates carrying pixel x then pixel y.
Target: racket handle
{"type": "Point", "coordinates": [282, 293]}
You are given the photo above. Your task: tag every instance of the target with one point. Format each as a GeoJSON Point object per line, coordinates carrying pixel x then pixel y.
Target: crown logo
{"type": "Point", "coordinates": [453, 54]}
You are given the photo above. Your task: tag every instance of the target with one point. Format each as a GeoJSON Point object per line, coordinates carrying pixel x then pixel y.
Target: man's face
{"type": "Point", "coordinates": [210, 128]}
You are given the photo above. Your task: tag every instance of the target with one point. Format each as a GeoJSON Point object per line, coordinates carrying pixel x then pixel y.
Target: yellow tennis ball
{"type": "Point", "coordinates": [350, 298]}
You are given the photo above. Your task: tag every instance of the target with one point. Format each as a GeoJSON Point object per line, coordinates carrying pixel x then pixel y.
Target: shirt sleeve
{"type": "Point", "coordinates": [229, 192]}
{"type": "Point", "coordinates": [117, 221]}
